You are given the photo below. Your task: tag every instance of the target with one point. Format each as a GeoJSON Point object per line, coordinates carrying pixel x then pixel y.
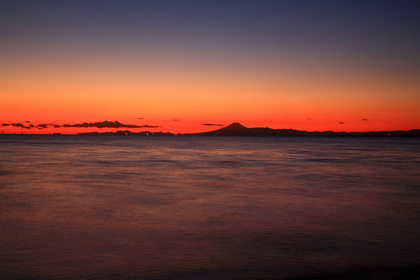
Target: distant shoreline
{"type": "Point", "coordinates": [236, 129]}
{"type": "Point", "coordinates": [380, 134]}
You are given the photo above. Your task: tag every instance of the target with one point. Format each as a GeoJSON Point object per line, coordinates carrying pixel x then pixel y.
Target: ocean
{"type": "Point", "coordinates": [189, 207]}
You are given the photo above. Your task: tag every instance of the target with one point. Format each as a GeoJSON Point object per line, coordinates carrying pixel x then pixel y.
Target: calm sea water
{"type": "Point", "coordinates": [115, 207]}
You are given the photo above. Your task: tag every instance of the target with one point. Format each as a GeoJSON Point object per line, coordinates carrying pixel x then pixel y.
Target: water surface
{"type": "Point", "coordinates": [132, 207]}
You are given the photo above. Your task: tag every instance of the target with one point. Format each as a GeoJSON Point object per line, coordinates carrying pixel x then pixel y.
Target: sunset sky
{"type": "Point", "coordinates": [174, 66]}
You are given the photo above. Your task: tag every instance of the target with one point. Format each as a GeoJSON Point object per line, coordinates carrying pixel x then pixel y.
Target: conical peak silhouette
{"type": "Point", "coordinates": [236, 125]}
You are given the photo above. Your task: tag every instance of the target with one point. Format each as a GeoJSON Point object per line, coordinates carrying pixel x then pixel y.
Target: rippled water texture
{"type": "Point", "coordinates": [109, 207]}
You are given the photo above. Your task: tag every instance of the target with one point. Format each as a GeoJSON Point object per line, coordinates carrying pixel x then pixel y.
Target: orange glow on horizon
{"type": "Point", "coordinates": [67, 65]}
{"type": "Point", "coordinates": [193, 126]}
{"type": "Point", "coordinates": [260, 95]}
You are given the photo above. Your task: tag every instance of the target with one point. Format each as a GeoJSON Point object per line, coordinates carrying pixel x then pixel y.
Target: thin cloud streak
{"type": "Point", "coordinates": [103, 124]}
{"type": "Point", "coordinates": [108, 124]}
{"type": "Point", "coordinates": [20, 125]}
{"type": "Point", "coordinates": [212, 124]}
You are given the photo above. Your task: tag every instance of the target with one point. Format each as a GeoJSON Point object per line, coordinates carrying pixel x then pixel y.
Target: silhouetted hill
{"type": "Point", "coordinates": [235, 126]}
{"type": "Point", "coordinates": [237, 129]}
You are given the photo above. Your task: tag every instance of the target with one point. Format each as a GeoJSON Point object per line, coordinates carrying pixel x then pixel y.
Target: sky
{"type": "Point", "coordinates": [193, 66]}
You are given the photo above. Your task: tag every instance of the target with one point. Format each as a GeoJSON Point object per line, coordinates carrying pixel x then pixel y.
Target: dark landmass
{"type": "Point", "coordinates": [236, 129]}
{"type": "Point", "coordinates": [126, 132]}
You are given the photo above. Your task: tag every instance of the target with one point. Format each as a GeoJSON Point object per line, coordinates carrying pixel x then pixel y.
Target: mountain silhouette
{"type": "Point", "coordinates": [237, 129]}
{"type": "Point", "coordinates": [234, 129]}
{"type": "Point", "coordinates": [235, 126]}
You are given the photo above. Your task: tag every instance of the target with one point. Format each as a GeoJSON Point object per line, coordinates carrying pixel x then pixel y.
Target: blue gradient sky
{"type": "Point", "coordinates": [315, 65]}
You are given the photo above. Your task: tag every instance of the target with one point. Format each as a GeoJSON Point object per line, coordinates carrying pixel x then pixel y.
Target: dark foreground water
{"type": "Point", "coordinates": [128, 207]}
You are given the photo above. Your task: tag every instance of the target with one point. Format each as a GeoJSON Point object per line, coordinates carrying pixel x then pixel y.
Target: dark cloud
{"type": "Point", "coordinates": [175, 120]}
{"type": "Point", "coordinates": [108, 124]}
{"type": "Point", "coordinates": [308, 119]}
{"type": "Point", "coordinates": [28, 121]}
{"type": "Point", "coordinates": [147, 126]}
{"type": "Point", "coordinates": [212, 124]}
{"type": "Point", "coordinates": [340, 123]}
{"type": "Point", "coordinates": [104, 124]}
{"type": "Point", "coordinates": [19, 125]}
{"type": "Point", "coordinates": [43, 125]}
{"type": "Point", "coordinates": [365, 120]}
{"type": "Point", "coordinates": [140, 118]}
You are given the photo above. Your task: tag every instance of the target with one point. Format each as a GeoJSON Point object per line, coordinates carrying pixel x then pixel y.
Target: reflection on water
{"type": "Point", "coordinates": [205, 207]}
